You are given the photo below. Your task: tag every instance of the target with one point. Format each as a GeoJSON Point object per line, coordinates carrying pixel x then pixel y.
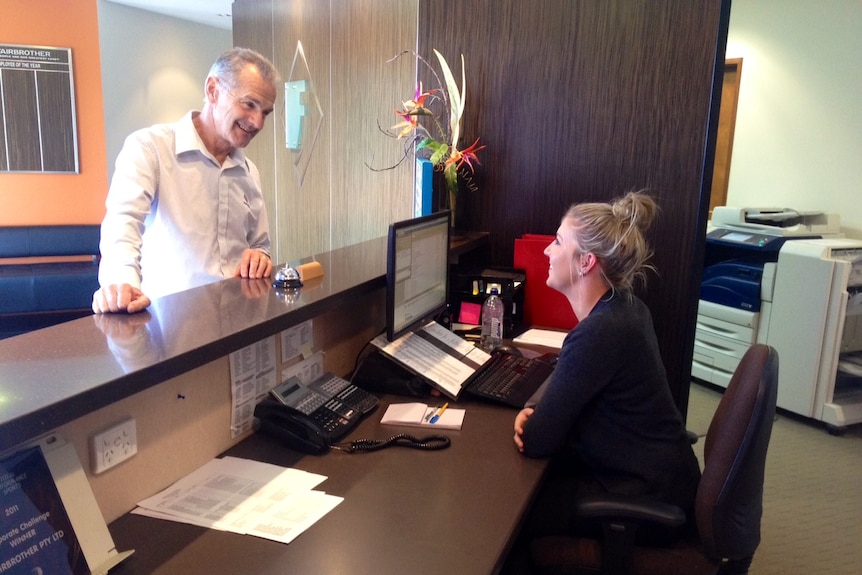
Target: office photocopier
{"type": "Point", "coordinates": [790, 280]}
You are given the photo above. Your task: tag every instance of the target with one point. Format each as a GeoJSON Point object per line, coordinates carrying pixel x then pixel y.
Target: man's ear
{"type": "Point", "coordinates": [211, 89]}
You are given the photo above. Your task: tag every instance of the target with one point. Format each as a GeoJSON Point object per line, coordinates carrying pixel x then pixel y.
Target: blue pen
{"type": "Point", "coordinates": [439, 413]}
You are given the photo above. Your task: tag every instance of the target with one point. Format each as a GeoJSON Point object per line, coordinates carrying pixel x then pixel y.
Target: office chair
{"type": "Point", "coordinates": [728, 504]}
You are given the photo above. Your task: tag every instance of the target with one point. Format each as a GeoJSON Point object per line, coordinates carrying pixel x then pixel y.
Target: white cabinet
{"type": "Point", "coordinates": [813, 327]}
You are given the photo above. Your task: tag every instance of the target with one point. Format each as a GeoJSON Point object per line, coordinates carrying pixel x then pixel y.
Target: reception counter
{"type": "Point", "coordinates": [457, 510]}
{"type": "Point", "coordinates": [168, 367]}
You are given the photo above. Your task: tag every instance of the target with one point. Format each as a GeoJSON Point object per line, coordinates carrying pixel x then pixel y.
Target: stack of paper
{"type": "Point", "coordinates": [543, 337]}
{"type": "Point", "coordinates": [246, 497]}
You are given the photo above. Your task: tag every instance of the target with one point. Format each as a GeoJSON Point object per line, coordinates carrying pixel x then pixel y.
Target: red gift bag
{"type": "Point", "coordinates": [543, 306]}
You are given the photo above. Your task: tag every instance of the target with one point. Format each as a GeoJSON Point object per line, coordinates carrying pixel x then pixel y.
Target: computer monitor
{"type": "Point", "coordinates": [417, 272]}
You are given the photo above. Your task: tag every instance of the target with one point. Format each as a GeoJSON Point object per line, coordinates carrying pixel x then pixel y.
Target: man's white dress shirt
{"type": "Point", "coordinates": [175, 218]}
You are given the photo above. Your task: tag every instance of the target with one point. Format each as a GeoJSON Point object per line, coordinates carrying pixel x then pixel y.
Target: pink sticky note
{"type": "Point", "coordinates": [470, 313]}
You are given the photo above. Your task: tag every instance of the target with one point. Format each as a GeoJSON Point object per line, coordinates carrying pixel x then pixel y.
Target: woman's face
{"type": "Point", "coordinates": [560, 253]}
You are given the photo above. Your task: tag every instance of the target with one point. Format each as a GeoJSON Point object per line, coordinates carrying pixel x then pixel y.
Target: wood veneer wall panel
{"type": "Point", "coordinates": [367, 89]}
{"type": "Point", "coordinates": [252, 28]}
{"type": "Point", "coordinates": [304, 211]}
{"type": "Point", "coordinates": [340, 200]}
{"type": "Point", "coordinates": [298, 214]}
{"type": "Point", "coordinates": [582, 101]}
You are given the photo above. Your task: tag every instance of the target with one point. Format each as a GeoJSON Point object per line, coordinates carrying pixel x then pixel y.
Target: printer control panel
{"type": "Point", "coordinates": [764, 242]}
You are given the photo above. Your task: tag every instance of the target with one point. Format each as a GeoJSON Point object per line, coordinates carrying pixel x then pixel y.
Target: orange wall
{"type": "Point", "coordinates": [27, 199]}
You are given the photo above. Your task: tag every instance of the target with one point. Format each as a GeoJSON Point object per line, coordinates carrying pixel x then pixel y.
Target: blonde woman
{"type": "Point", "coordinates": [606, 416]}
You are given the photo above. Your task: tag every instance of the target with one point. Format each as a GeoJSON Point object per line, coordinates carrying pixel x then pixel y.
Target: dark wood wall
{"type": "Point", "coordinates": [583, 100]}
{"type": "Point", "coordinates": [576, 100]}
{"type": "Point", "coordinates": [321, 194]}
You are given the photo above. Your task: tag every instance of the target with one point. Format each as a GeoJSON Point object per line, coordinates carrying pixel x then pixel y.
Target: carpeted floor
{"type": "Point", "coordinates": [812, 518]}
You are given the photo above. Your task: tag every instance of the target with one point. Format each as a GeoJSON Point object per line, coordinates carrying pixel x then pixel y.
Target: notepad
{"type": "Point", "coordinates": [420, 415]}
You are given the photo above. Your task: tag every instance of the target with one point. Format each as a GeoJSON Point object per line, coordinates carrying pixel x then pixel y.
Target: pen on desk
{"type": "Point", "coordinates": [439, 413]}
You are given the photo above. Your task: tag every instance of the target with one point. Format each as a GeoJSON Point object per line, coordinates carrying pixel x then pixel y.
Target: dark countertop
{"type": "Point", "coordinates": [404, 510]}
{"type": "Point", "coordinates": [55, 375]}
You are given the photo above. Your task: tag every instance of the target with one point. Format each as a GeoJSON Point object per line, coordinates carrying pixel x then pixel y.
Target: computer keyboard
{"type": "Point", "coordinates": [511, 379]}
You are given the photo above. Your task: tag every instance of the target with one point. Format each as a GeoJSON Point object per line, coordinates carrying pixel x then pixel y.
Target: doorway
{"type": "Point", "coordinates": [724, 139]}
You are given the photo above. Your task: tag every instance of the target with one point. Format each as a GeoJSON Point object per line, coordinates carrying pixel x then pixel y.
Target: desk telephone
{"type": "Point", "coordinates": [309, 417]}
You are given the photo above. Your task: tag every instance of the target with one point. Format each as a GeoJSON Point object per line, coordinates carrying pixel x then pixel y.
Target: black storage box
{"type": "Point", "coordinates": [473, 285]}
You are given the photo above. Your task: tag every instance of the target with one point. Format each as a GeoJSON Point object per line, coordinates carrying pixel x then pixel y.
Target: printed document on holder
{"type": "Point", "coordinates": [433, 352]}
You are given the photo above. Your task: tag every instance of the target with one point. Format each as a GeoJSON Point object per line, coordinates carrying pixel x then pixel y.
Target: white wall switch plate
{"type": "Point", "coordinates": [113, 446]}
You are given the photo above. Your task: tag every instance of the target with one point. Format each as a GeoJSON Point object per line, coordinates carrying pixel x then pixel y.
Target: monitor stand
{"type": "Point", "coordinates": [379, 374]}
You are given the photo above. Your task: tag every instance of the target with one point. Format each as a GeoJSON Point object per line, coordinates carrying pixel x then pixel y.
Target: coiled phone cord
{"type": "Point", "coordinates": [429, 443]}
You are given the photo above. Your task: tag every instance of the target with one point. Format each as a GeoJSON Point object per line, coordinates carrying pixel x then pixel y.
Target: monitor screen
{"type": "Point", "coordinates": [417, 272]}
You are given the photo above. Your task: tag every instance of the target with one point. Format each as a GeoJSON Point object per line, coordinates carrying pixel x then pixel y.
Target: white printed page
{"type": "Point", "coordinates": [246, 497]}
{"type": "Point", "coordinates": [253, 373]}
{"type": "Point", "coordinates": [287, 519]}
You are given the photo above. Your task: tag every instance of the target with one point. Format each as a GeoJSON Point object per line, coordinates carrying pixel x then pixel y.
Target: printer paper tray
{"type": "Point", "coordinates": [725, 316]}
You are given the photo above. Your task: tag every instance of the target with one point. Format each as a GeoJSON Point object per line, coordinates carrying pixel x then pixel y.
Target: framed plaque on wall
{"type": "Point", "coordinates": [38, 129]}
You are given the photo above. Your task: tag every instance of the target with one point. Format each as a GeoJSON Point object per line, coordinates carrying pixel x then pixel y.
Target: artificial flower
{"type": "Point", "coordinates": [435, 133]}
{"type": "Point", "coordinates": [412, 109]}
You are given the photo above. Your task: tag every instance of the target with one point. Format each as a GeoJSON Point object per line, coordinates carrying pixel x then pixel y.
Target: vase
{"type": "Point", "coordinates": [455, 200]}
{"type": "Point", "coordinates": [453, 204]}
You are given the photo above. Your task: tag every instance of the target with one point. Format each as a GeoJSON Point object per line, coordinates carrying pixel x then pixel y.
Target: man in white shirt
{"type": "Point", "coordinates": [185, 206]}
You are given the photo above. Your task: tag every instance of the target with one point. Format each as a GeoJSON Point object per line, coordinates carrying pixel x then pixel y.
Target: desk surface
{"type": "Point", "coordinates": [404, 511]}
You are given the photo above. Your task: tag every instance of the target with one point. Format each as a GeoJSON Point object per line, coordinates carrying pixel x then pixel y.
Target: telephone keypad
{"type": "Point", "coordinates": [331, 403]}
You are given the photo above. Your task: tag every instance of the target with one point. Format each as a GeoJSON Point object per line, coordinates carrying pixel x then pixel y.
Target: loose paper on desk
{"type": "Point", "coordinates": [543, 337]}
{"type": "Point", "coordinates": [420, 415]}
{"type": "Point", "coordinates": [246, 497]}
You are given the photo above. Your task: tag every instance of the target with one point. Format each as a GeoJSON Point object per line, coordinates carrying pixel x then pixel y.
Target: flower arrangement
{"type": "Point", "coordinates": [436, 139]}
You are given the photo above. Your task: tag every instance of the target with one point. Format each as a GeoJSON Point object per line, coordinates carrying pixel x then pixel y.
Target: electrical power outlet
{"type": "Point", "coordinates": [113, 446]}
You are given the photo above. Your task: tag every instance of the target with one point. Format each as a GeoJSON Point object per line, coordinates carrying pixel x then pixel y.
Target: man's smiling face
{"type": "Point", "coordinates": [240, 110]}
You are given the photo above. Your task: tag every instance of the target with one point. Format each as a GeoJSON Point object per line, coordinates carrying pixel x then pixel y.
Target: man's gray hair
{"type": "Point", "coordinates": [229, 65]}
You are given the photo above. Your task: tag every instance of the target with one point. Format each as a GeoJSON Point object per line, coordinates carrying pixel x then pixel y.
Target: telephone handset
{"type": "Point", "coordinates": [309, 417]}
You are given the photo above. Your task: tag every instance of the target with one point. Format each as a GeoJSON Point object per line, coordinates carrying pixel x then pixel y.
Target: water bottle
{"type": "Point", "coordinates": [492, 321]}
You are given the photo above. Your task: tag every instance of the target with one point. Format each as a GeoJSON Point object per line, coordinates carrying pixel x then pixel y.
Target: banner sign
{"type": "Point", "coordinates": [36, 536]}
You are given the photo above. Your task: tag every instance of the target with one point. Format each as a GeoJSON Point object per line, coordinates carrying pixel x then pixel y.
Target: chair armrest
{"type": "Point", "coordinates": [637, 509]}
